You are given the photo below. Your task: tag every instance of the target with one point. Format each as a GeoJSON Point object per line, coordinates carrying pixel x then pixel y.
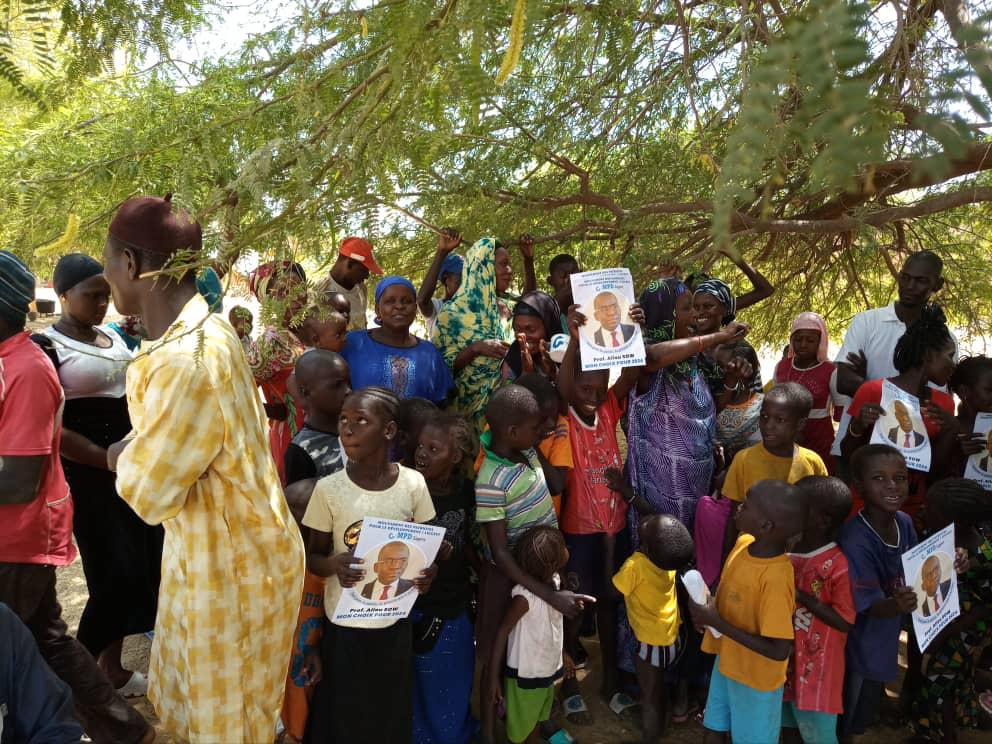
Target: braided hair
{"type": "Point", "coordinates": [968, 372]}
{"type": "Point", "coordinates": [541, 552]}
{"type": "Point", "coordinates": [929, 333]}
{"type": "Point", "coordinates": [961, 500]}
{"type": "Point", "coordinates": [384, 401]}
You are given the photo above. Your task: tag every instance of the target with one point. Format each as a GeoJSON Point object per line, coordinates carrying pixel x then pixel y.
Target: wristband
{"type": "Point", "coordinates": [854, 432]}
{"type": "Point", "coordinates": [630, 500]}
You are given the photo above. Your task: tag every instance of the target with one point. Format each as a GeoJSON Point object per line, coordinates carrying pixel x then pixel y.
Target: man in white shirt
{"type": "Point", "coordinates": [348, 274]}
{"type": "Point", "coordinates": [870, 341]}
{"type": "Point", "coordinates": [389, 567]}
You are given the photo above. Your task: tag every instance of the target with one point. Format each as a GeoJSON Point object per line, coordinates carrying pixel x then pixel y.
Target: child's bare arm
{"type": "Point", "coordinates": [555, 477]}
{"type": "Point", "coordinates": [776, 649]}
{"type": "Point", "coordinates": [322, 561]}
{"type": "Point", "coordinates": [517, 609]}
{"type": "Point", "coordinates": [566, 602]}
{"type": "Point", "coordinates": [825, 612]}
{"type": "Point", "coordinates": [298, 497]}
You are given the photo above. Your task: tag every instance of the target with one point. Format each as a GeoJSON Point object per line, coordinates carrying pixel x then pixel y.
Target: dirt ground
{"type": "Point", "coordinates": [606, 729]}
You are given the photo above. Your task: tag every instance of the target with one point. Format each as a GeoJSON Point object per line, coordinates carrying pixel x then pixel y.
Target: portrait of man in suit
{"type": "Point", "coordinates": [389, 567]}
{"type": "Point", "coordinates": [985, 463]}
{"type": "Point", "coordinates": [936, 591]}
{"type": "Point", "coordinates": [904, 435]}
{"type": "Point", "coordinates": [607, 312]}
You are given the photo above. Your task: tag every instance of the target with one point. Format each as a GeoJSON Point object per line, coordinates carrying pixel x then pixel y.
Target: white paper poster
{"type": "Point", "coordinates": [902, 427]}
{"type": "Point", "coordinates": [609, 338]}
{"type": "Point", "coordinates": [979, 467]}
{"type": "Point", "coordinates": [929, 569]}
{"type": "Point", "coordinates": [395, 553]}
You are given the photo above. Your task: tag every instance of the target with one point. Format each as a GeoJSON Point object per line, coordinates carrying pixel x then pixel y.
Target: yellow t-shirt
{"type": "Point", "coordinates": [649, 593]}
{"type": "Point", "coordinates": [757, 464]}
{"type": "Point", "coordinates": [757, 595]}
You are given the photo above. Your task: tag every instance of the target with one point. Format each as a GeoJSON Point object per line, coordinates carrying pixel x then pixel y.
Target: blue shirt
{"type": "Point", "coordinates": [416, 372]}
{"type": "Point", "coordinates": [875, 568]}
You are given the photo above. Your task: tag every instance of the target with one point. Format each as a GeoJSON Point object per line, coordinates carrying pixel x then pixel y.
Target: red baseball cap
{"type": "Point", "coordinates": [359, 249]}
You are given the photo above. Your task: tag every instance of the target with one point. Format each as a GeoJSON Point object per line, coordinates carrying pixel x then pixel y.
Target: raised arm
{"type": "Point", "coordinates": [527, 253]}
{"type": "Point", "coordinates": [762, 289]}
{"type": "Point", "coordinates": [666, 353]}
{"type": "Point", "coordinates": [447, 241]}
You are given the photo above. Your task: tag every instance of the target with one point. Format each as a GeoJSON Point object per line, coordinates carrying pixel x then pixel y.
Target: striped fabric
{"type": "Point", "coordinates": [513, 492]}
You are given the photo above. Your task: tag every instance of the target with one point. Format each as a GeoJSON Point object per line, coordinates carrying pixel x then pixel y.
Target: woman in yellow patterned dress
{"type": "Point", "coordinates": [198, 462]}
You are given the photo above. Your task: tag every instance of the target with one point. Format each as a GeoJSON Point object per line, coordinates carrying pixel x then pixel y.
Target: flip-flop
{"type": "Point", "coordinates": [689, 713]}
{"type": "Point", "coordinates": [574, 704]}
{"type": "Point", "coordinates": [136, 686]}
{"type": "Point", "coordinates": [985, 701]}
{"type": "Point", "coordinates": [621, 702]}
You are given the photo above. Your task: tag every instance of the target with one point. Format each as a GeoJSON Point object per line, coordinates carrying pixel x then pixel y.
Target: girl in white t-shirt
{"type": "Point", "coordinates": [367, 667]}
{"type": "Point", "coordinates": [531, 638]}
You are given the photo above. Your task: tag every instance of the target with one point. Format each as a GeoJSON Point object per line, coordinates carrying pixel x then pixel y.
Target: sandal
{"type": "Point", "coordinates": [574, 706]}
{"type": "Point", "coordinates": [136, 686]}
{"type": "Point", "coordinates": [622, 702]}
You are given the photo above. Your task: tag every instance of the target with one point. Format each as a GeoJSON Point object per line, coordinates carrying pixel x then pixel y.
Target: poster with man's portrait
{"type": "Point", "coordinates": [929, 569]}
{"type": "Point", "coordinates": [394, 553]}
{"type": "Point", "coordinates": [902, 427]}
{"type": "Point", "coordinates": [979, 467]}
{"type": "Point", "coordinates": [609, 338]}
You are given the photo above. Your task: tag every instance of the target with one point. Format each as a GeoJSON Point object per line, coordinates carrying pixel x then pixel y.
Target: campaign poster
{"type": "Point", "coordinates": [979, 467]}
{"type": "Point", "coordinates": [929, 569]}
{"type": "Point", "coordinates": [394, 553]}
{"type": "Point", "coordinates": [902, 427]}
{"type": "Point", "coordinates": [609, 338]}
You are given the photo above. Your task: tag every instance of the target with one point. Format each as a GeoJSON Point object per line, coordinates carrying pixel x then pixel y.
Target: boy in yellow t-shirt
{"type": "Point", "coordinates": [753, 611]}
{"type": "Point", "coordinates": [776, 456]}
{"type": "Point", "coordinates": [647, 581]}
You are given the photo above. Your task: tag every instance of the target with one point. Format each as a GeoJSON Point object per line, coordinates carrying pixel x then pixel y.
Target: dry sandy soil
{"type": "Point", "coordinates": [607, 728]}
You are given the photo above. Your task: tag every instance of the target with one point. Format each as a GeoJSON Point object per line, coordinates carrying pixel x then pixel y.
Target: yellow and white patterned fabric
{"type": "Point", "coordinates": [232, 565]}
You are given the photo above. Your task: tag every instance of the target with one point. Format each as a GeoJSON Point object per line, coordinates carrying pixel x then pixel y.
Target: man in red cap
{"type": "Point", "coordinates": [199, 463]}
{"type": "Point", "coordinates": [355, 262]}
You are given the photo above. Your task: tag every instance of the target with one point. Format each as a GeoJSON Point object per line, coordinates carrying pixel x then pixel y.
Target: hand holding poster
{"type": "Point", "coordinates": [609, 338]}
{"type": "Point", "coordinates": [902, 427]}
{"type": "Point", "coordinates": [929, 570]}
{"type": "Point", "coordinates": [394, 553]}
{"type": "Point", "coordinates": [979, 467]}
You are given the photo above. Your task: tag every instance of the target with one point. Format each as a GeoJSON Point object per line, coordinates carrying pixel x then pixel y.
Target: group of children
{"type": "Point", "coordinates": [796, 638]}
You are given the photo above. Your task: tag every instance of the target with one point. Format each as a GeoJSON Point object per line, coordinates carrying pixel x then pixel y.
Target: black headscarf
{"type": "Point", "coordinates": [73, 269]}
{"type": "Point", "coordinates": [536, 305]}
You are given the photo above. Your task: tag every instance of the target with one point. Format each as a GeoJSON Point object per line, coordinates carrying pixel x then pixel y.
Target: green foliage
{"type": "Point", "coordinates": [629, 132]}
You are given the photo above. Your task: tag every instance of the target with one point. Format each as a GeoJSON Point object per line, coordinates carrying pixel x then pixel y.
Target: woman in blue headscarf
{"type": "Point", "coordinates": [714, 306]}
{"type": "Point", "coordinates": [390, 356]}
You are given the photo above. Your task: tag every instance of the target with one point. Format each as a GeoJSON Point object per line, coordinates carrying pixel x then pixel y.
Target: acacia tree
{"type": "Point", "coordinates": [821, 140]}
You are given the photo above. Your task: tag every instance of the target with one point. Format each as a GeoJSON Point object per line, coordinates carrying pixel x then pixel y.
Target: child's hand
{"type": "Point", "coordinates": [971, 444]}
{"type": "Point", "coordinates": [868, 415]}
{"type": "Point", "coordinates": [495, 687]}
{"type": "Point", "coordinates": [614, 479]}
{"type": "Point", "coordinates": [906, 600]}
{"type": "Point", "coordinates": [961, 560]}
{"type": "Point", "coordinates": [575, 321]}
{"type": "Point", "coordinates": [704, 614]}
{"type": "Point", "coordinates": [568, 666]}
{"type": "Point", "coordinates": [426, 578]}
{"type": "Point", "coordinates": [719, 458]}
{"type": "Point", "coordinates": [637, 315]}
{"type": "Point", "coordinates": [737, 370]}
{"type": "Point", "coordinates": [948, 421]}
{"type": "Point", "coordinates": [341, 564]}
{"type": "Point", "coordinates": [526, 360]}
{"type": "Point", "coordinates": [492, 348]}
{"type": "Point", "coordinates": [445, 551]}
{"type": "Point", "coordinates": [570, 604]}
{"type": "Point", "coordinates": [858, 362]}
{"type": "Point", "coordinates": [313, 669]}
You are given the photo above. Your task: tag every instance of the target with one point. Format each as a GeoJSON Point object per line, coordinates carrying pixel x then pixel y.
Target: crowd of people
{"type": "Point", "coordinates": [216, 481]}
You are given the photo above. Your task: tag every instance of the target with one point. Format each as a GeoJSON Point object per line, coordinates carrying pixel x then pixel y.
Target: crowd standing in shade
{"type": "Point", "coordinates": [553, 531]}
